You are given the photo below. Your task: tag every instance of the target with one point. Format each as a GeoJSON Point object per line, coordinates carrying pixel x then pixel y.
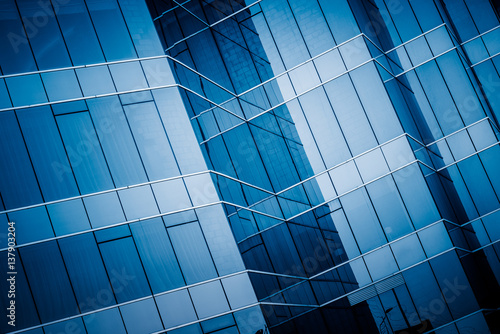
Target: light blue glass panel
{"type": "Point", "coordinates": [376, 102]}
{"type": "Point", "coordinates": [68, 217]}
{"type": "Point", "coordinates": [363, 221]}
{"type": "Point", "coordinates": [372, 165]}
{"type": "Point", "coordinates": [61, 85]}
{"type": "Point", "coordinates": [239, 291]}
{"type": "Point", "coordinates": [31, 225]}
{"type": "Point", "coordinates": [381, 263]}
{"type": "Point", "coordinates": [142, 30]}
{"type": "Point", "coordinates": [416, 195]}
{"type": "Point", "coordinates": [105, 322]}
{"type": "Point", "coordinates": [134, 316]}
{"type": "Point", "coordinates": [104, 209]}
{"type": "Point", "coordinates": [117, 142]}
{"type": "Point", "coordinates": [26, 90]}
{"type": "Point", "coordinates": [124, 269]}
{"type": "Point", "coordinates": [209, 299]}
{"type": "Point", "coordinates": [151, 140]}
{"type": "Point", "coordinates": [340, 19]}
{"type": "Point", "coordinates": [435, 239]}
{"type": "Point", "coordinates": [171, 195]}
{"type": "Point", "coordinates": [157, 255]}
{"type": "Point", "coordinates": [389, 207]}
{"type": "Point", "coordinates": [352, 119]}
{"type": "Point", "coordinates": [345, 177]}
{"type": "Point", "coordinates": [138, 202]}
{"type": "Point", "coordinates": [201, 189]}
{"type": "Point", "coordinates": [220, 240]}
{"type": "Point", "coordinates": [408, 251]}
{"type": "Point", "coordinates": [95, 80]}
{"type": "Point", "coordinates": [176, 308]}
{"type": "Point", "coordinates": [84, 152]}
{"type": "Point", "coordinates": [192, 253]}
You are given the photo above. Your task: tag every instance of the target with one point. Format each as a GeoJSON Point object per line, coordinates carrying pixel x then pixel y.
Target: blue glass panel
{"type": "Point", "coordinates": [61, 85]}
{"type": "Point", "coordinates": [209, 299]}
{"type": "Point", "coordinates": [212, 325]}
{"type": "Point", "coordinates": [408, 251]}
{"type": "Point", "coordinates": [171, 195]}
{"type": "Point", "coordinates": [381, 263]}
{"type": "Point", "coordinates": [128, 76]}
{"type": "Point", "coordinates": [49, 281]}
{"type": "Point", "coordinates": [4, 95]}
{"type": "Point", "coordinates": [250, 327]}
{"type": "Point", "coordinates": [176, 308]}
{"type": "Point", "coordinates": [141, 29]}
{"type": "Point", "coordinates": [416, 195]}
{"type": "Point", "coordinates": [363, 221]}
{"type": "Point", "coordinates": [435, 239]}
{"type": "Point", "coordinates": [104, 209]}
{"type": "Point", "coordinates": [21, 85]}
{"type": "Point", "coordinates": [31, 225]}
{"type": "Point", "coordinates": [79, 33]}
{"type": "Point", "coordinates": [95, 80]}
{"type": "Point", "coordinates": [104, 322]}
{"type": "Point", "coordinates": [112, 233]}
{"type": "Point", "coordinates": [117, 142]}
{"type": "Point", "coordinates": [68, 217]}
{"type": "Point", "coordinates": [151, 140]}
{"type": "Point", "coordinates": [124, 269]}
{"type": "Point", "coordinates": [16, 56]}
{"type": "Point", "coordinates": [44, 34]}
{"type": "Point", "coordinates": [68, 326]}
{"type": "Point", "coordinates": [340, 19]}
{"type": "Point", "coordinates": [134, 316]}
{"type": "Point", "coordinates": [220, 240]}
{"type": "Point", "coordinates": [239, 291]}
{"type": "Point", "coordinates": [478, 185]}
{"type": "Point", "coordinates": [425, 292]}
{"type": "Point", "coordinates": [111, 29]}
{"type": "Point", "coordinates": [84, 151]}
{"type": "Point", "coordinates": [457, 291]}
{"type": "Point", "coordinates": [47, 153]}
{"type": "Point", "coordinates": [324, 125]}
{"type": "Point", "coordinates": [192, 253]}
{"type": "Point", "coordinates": [390, 208]}
{"type": "Point", "coordinates": [18, 184]}
{"type": "Point", "coordinates": [193, 329]}
{"type": "Point", "coordinates": [157, 255]}
{"type": "Point", "coordinates": [138, 202]}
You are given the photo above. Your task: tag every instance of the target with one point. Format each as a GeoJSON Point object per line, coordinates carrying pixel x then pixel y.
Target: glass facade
{"type": "Point", "coordinates": [261, 166]}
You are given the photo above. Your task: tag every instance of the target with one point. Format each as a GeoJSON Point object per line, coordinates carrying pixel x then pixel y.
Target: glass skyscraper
{"type": "Point", "coordinates": [261, 166]}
